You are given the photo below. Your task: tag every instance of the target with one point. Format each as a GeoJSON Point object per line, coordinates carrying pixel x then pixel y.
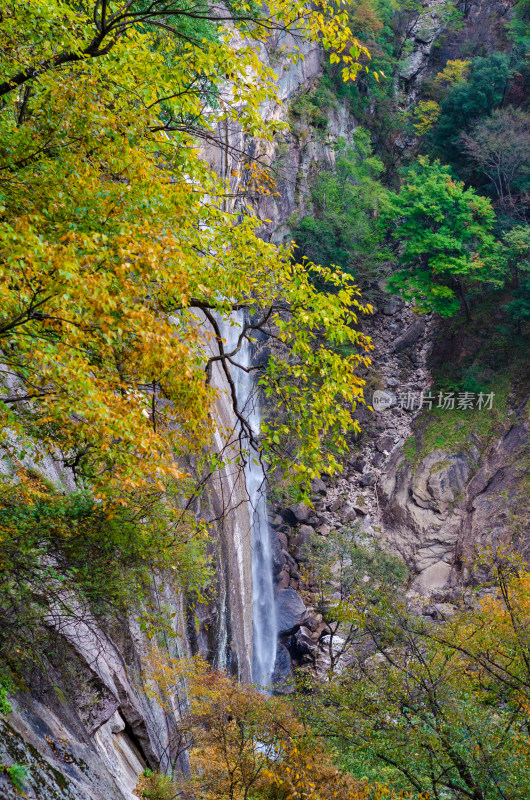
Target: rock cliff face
{"type": "Point", "coordinates": [440, 513]}
{"type": "Point", "coordinates": [436, 507]}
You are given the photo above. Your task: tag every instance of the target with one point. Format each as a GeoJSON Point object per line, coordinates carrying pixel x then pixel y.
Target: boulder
{"type": "Point", "coordinates": [291, 611]}
{"type": "Point", "coordinates": [360, 505]}
{"type": "Point", "coordinates": [385, 444]}
{"type": "Point", "coordinates": [367, 480]}
{"type": "Point", "coordinates": [410, 337]}
{"type": "Point", "coordinates": [378, 460]}
{"type": "Point", "coordinates": [300, 512]}
{"type": "Point", "coordinates": [277, 556]}
{"type": "Point", "coordinates": [282, 538]}
{"type": "Point", "coordinates": [358, 464]}
{"type": "Point", "coordinates": [305, 644]}
{"type": "Point", "coordinates": [347, 513]}
{"type": "Point", "coordinates": [324, 529]}
{"type": "Point", "coordinates": [283, 579]}
{"type": "Point", "coordinates": [391, 307]}
{"type": "Point", "coordinates": [318, 486]}
{"type": "Point", "coordinates": [336, 504]}
{"type": "Point", "coordinates": [282, 676]}
{"type": "Point", "coordinates": [301, 542]}
{"type": "Point", "coordinates": [434, 577]}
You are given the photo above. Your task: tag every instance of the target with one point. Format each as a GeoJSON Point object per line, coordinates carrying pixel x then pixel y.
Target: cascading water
{"type": "Point", "coordinates": [264, 606]}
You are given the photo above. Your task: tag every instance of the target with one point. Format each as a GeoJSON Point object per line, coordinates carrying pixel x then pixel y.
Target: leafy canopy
{"type": "Point", "coordinates": [116, 236]}
{"type": "Point", "coordinates": [444, 233]}
{"type": "Point", "coordinates": [120, 250]}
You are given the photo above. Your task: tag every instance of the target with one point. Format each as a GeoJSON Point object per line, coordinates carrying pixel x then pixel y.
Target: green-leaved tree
{"type": "Point", "coordinates": [443, 234]}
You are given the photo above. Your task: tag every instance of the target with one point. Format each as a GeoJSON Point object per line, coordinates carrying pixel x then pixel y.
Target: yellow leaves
{"type": "Point", "coordinates": [426, 115]}
{"type": "Point", "coordinates": [120, 226]}
{"type": "Point", "coordinates": [455, 71]}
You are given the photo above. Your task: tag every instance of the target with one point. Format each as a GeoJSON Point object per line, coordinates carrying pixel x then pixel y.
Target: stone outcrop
{"type": "Point", "coordinates": [440, 514]}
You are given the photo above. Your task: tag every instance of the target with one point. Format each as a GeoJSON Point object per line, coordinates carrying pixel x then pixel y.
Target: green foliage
{"type": "Point", "coordinates": [443, 711]}
{"type": "Point", "coordinates": [311, 109]}
{"type": "Point", "coordinates": [353, 563]}
{"type": "Point", "coordinates": [456, 431]}
{"type": "Point", "coordinates": [155, 786]}
{"type": "Point", "coordinates": [343, 229]}
{"type": "Point", "coordinates": [444, 230]}
{"type": "Point", "coordinates": [518, 309]}
{"type": "Point", "coordinates": [5, 705]}
{"type": "Point", "coordinates": [18, 773]}
{"type": "Point", "coordinates": [66, 551]}
{"type": "Point", "coordinates": [469, 100]}
{"type": "Point", "coordinates": [517, 251]}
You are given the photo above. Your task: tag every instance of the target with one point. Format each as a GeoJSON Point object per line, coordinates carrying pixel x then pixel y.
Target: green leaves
{"type": "Point", "coordinates": [443, 230]}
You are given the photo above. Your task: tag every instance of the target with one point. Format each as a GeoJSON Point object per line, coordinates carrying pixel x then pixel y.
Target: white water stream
{"type": "Point", "coordinates": [264, 606]}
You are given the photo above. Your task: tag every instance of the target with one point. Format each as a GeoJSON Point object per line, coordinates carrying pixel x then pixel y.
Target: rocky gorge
{"type": "Point", "coordinates": [90, 724]}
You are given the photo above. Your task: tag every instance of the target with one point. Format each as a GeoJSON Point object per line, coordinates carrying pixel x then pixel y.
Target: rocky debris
{"type": "Point", "coordinates": [439, 611]}
{"type": "Point", "coordinates": [324, 529]}
{"type": "Point", "coordinates": [411, 336]}
{"type": "Point", "coordinates": [336, 504]}
{"type": "Point", "coordinates": [369, 479]}
{"type": "Point", "coordinates": [296, 513]}
{"type": "Point", "coordinates": [277, 555]}
{"type": "Point", "coordinates": [305, 644]}
{"type": "Point", "coordinates": [282, 538]}
{"type": "Point", "coordinates": [378, 460]}
{"type": "Point", "coordinates": [391, 307]}
{"type": "Point", "coordinates": [385, 444]}
{"type": "Point", "coordinates": [284, 579]}
{"type": "Point", "coordinates": [348, 513]}
{"type": "Point", "coordinates": [291, 611]}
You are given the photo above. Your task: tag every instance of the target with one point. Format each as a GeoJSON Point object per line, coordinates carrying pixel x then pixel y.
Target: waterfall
{"type": "Point", "coordinates": [264, 606]}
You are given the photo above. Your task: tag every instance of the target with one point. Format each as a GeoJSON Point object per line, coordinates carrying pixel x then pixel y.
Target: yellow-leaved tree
{"type": "Point", "coordinates": [117, 241]}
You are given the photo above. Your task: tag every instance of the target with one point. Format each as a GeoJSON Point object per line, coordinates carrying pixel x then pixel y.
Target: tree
{"type": "Point", "coordinates": [440, 709]}
{"type": "Point", "coordinates": [517, 254]}
{"type": "Point", "coordinates": [427, 112]}
{"type": "Point", "coordinates": [499, 145]}
{"type": "Point", "coordinates": [469, 100]}
{"type": "Point", "coordinates": [104, 274]}
{"type": "Point", "coordinates": [342, 566]}
{"type": "Point", "coordinates": [120, 250]}
{"type": "Point", "coordinates": [455, 71]}
{"type": "Point", "coordinates": [443, 230]}
{"type": "Point", "coordinates": [242, 743]}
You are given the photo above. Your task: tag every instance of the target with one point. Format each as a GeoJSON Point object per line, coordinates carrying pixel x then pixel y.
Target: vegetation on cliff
{"type": "Point", "coordinates": [120, 249]}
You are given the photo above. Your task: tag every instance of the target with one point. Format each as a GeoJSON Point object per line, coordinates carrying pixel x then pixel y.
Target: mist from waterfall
{"type": "Point", "coordinates": [264, 606]}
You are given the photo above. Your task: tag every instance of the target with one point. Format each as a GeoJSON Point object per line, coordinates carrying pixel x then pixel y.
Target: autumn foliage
{"type": "Point", "coordinates": [120, 252]}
